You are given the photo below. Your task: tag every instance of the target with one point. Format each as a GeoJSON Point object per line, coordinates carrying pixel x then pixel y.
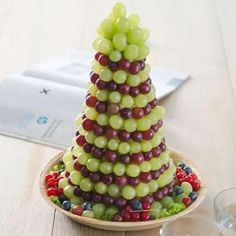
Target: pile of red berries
{"type": "Point", "coordinates": [52, 180]}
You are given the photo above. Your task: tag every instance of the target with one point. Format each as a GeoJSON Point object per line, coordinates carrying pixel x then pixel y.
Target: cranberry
{"type": "Point", "coordinates": [144, 216]}
{"type": "Point", "coordinates": [186, 201]}
{"type": "Point", "coordinates": [126, 216]}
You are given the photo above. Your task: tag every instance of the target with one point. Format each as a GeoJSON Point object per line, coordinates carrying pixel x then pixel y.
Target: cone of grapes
{"type": "Point", "coordinates": [119, 167]}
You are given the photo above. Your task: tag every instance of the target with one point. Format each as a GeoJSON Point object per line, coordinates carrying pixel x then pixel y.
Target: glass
{"type": "Point", "coordinates": [225, 210]}
{"type": "Point", "coordinates": [190, 226]}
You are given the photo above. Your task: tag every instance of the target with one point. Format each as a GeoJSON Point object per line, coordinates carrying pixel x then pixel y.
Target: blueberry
{"type": "Point", "coordinates": [181, 165]}
{"type": "Point", "coordinates": [62, 198]}
{"type": "Point", "coordinates": [66, 205]}
{"type": "Point", "coordinates": [187, 170]}
{"type": "Point", "coordinates": [193, 196]}
{"type": "Point", "coordinates": [136, 205]}
{"type": "Point", "coordinates": [178, 190]}
{"type": "Point", "coordinates": [87, 206]}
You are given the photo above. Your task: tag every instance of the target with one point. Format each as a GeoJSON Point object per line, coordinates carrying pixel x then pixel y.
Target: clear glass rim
{"type": "Point", "coordinates": [217, 207]}
{"type": "Point", "coordinates": [194, 217]}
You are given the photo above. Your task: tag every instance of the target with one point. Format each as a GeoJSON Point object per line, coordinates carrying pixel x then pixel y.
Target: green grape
{"type": "Point", "coordinates": [102, 95]}
{"type": "Point", "coordinates": [142, 190]}
{"type": "Point", "coordinates": [95, 43]}
{"type": "Point", "coordinates": [143, 51]}
{"type": "Point", "coordinates": [69, 166]}
{"type": "Point", "coordinates": [155, 163]}
{"type": "Point", "coordinates": [179, 197]}
{"type": "Point", "coordinates": [99, 31]}
{"type": "Point", "coordinates": [106, 167]}
{"type": "Point", "coordinates": [156, 140]}
{"type": "Point", "coordinates": [88, 213]}
{"type": "Point", "coordinates": [130, 125]}
{"type": "Point", "coordinates": [116, 122]}
{"type": "Point", "coordinates": [93, 89]}
{"type": "Point", "coordinates": [102, 119]}
{"type": "Point", "coordinates": [98, 209]}
{"type": "Point", "coordinates": [141, 100]}
{"type": "Point", "coordinates": [78, 120]}
{"type": "Point", "coordinates": [96, 67]}
{"type": "Point", "coordinates": [119, 169]}
{"type": "Point", "coordinates": [113, 190]}
{"type": "Point", "coordinates": [107, 28]}
{"type": "Point", "coordinates": [124, 148]}
{"type": "Point", "coordinates": [146, 146]}
{"type": "Point", "coordinates": [153, 118]}
{"type": "Point", "coordinates": [128, 192]}
{"type": "Point", "coordinates": [143, 124]}
{"type": "Point", "coordinates": [172, 167]}
{"type": "Point", "coordinates": [156, 206]}
{"type": "Point", "coordinates": [93, 164]}
{"type": "Point", "coordinates": [120, 76]}
{"type": "Point", "coordinates": [153, 186]}
{"type": "Point", "coordinates": [86, 185]}
{"type": "Point", "coordinates": [147, 68]}
{"type": "Point", "coordinates": [63, 183]}
{"type": "Point", "coordinates": [122, 25]}
{"type": "Point", "coordinates": [134, 35]}
{"type": "Point", "coordinates": [76, 200]}
{"type": "Point", "coordinates": [133, 80]}
{"type": "Point", "coordinates": [105, 75]}
{"type": "Point", "coordinates": [83, 157]}
{"type": "Point", "coordinates": [159, 111]}
{"type": "Point", "coordinates": [167, 201]}
{"type": "Point", "coordinates": [113, 144]}
{"type": "Point", "coordinates": [90, 137]}
{"type": "Point", "coordinates": [67, 156]}
{"type": "Point", "coordinates": [133, 20]}
{"type": "Point", "coordinates": [132, 170]}
{"type": "Point", "coordinates": [91, 113]}
{"type": "Point", "coordinates": [127, 101]}
{"type": "Point", "coordinates": [105, 46]}
{"type": "Point", "coordinates": [114, 97]}
{"type": "Point", "coordinates": [143, 76]}
{"type": "Point", "coordinates": [100, 188]}
{"type": "Point", "coordinates": [68, 191]}
{"type": "Point", "coordinates": [81, 130]}
{"type": "Point", "coordinates": [165, 179]}
{"type": "Point", "coordinates": [187, 188]}
{"type": "Point", "coordinates": [135, 147]}
{"type": "Point", "coordinates": [144, 36]}
{"type": "Point", "coordinates": [110, 211]}
{"type": "Point", "coordinates": [145, 166]}
{"type": "Point", "coordinates": [131, 52]}
{"type": "Point", "coordinates": [75, 177]}
{"type": "Point", "coordinates": [101, 141]}
{"type": "Point", "coordinates": [119, 10]}
{"type": "Point", "coordinates": [164, 157]}
{"type": "Point", "coordinates": [119, 41]}
{"type": "Point", "coordinates": [76, 151]}
{"type": "Point", "coordinates": [115, 55]}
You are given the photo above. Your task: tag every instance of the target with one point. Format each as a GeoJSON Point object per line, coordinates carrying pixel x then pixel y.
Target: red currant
{"type": "Point", "coordinates": [180, 175]}
{"type": "Point", "coordinates": [52, 182]}
{"type": "Point", "coordinates": [193, 175]}
{"type": "Point", "coordinates": [196, 185]}
{"type": "Point", "coordinates": [146, 205]}
{"type": "Point", "coordinates": [52, 192]}
{"type": "Point", "coordinates": [145, 216]}
{"type": "Point", "coordinates": [186, 201]}
{"type": "Point", "coordinates": [188, 179]}
{"type": "Point", "coordinates": [127, 208]}
{"type": "Point", "coordinates": [126, 216]}
{"type": "Point", "coordinates": [55, 175]}
{"type": "Point", "coordinates": [135, 216]}
{"type": "Point", "coordinates": [48, 177]}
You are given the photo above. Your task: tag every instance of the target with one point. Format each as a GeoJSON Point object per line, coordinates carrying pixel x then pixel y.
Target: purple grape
{"type": "Point", "coordinates": [107, 200]}
{"type": "Point", "coordinates": [94, 177]}
{"type": "Point", "coordinates": [120, 202]}
{"type": "Point", "coordinates": [125, 113]}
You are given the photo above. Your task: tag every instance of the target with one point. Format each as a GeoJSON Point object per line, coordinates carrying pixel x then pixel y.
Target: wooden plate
{"type": "Point", "coordinates": [124, 226]}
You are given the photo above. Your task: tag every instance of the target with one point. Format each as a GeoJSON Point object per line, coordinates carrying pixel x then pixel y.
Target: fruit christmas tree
{"type": "Point", "coordinates": [119, 167]}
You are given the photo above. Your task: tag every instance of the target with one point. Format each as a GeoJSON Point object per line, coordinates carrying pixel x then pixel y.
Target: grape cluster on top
{"type": "Point", "coordinates": [119, 158]}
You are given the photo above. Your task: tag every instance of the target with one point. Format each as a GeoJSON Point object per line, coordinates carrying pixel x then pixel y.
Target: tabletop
{"type": "Point", "coordinates": [197, 36]}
